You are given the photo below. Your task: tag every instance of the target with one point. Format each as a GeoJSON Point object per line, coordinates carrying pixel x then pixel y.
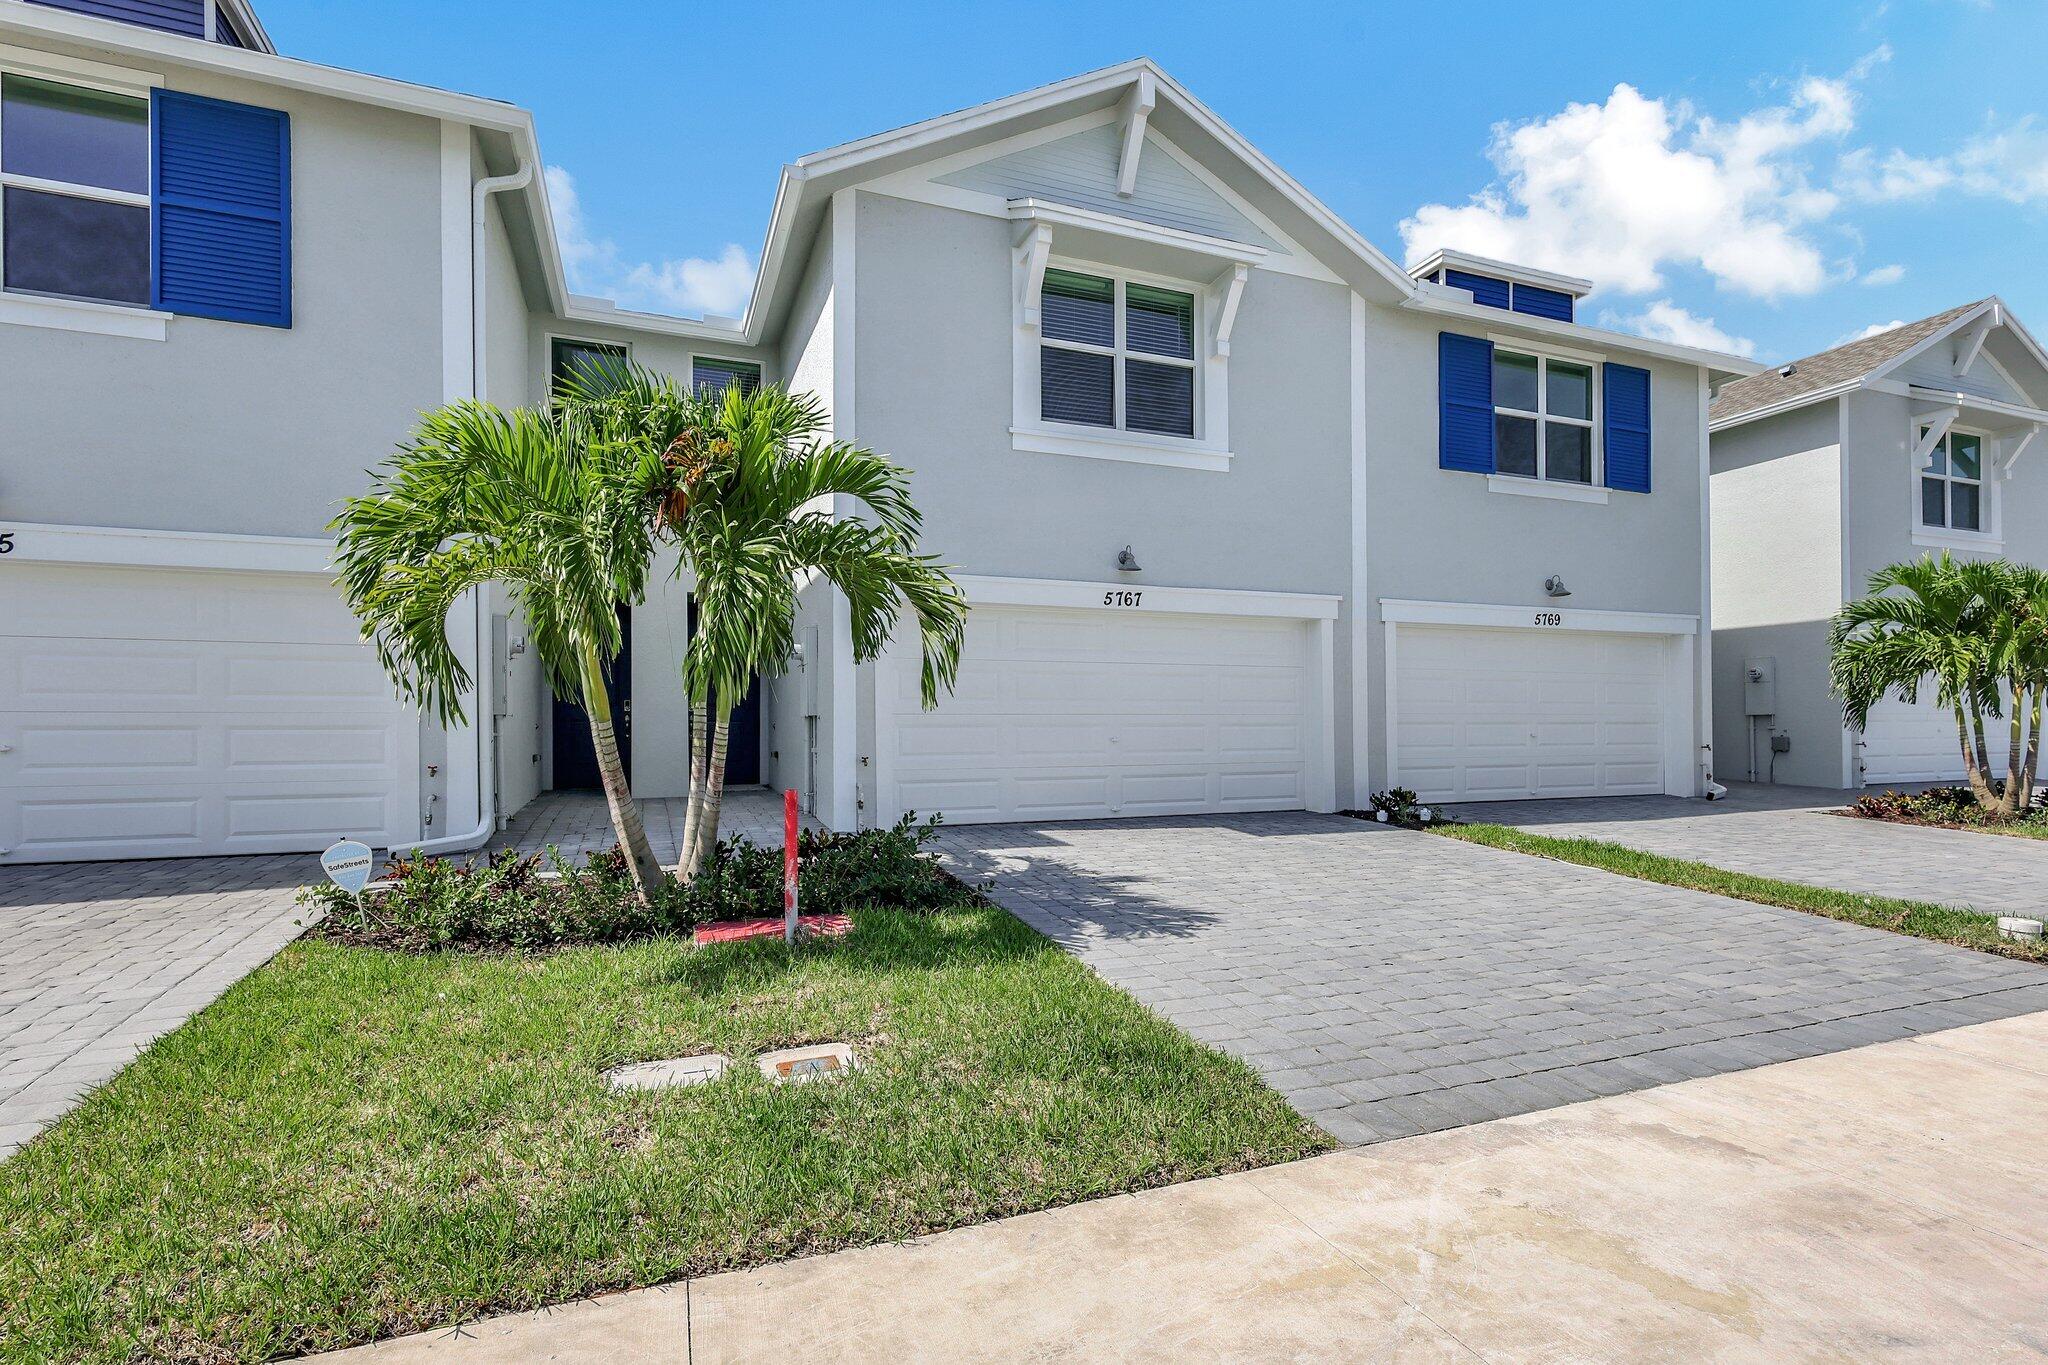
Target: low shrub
{"type": "Point", "coordinates": [1940, 806]}
{"type": "Point", "coordinates": [1399, 806]}
{"type": "Point", "coordinates": [513, 901]}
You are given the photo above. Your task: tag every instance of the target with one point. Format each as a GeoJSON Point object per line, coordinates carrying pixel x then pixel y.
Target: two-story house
{"type": "Point", "coordinates": [1922, 439]}
{"type": "Point", "coordinates": [1250, 517]}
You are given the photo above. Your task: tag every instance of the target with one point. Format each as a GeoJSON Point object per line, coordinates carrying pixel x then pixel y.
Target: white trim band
{"type": "Point", "coordinates": [1080, 594]}
{"type": "Point", "coordinates": [1536, 618]}
{"type": "Point", "coordinates": [46, 543]}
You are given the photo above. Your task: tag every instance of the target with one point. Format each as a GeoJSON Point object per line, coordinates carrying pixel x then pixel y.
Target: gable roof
{"type": "Point", "coordinates": [1815, 376]}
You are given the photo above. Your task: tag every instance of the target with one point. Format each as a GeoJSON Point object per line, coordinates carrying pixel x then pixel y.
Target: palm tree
{"type": "Point", "coordinates": [1924, 619]}
{"type": "Point", "coordinates": [752, 515]}
{"type": "Point", "coordinates": [525, 498]}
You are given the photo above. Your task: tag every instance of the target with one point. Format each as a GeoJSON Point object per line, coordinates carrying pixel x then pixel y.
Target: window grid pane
{"type": "Point", "coordinates": [1078, 307]}
{"type": "Point", "coordinates": [1159, 398]}
{"type": "Point", "coordinates": [1568, 390]}
{"type": "Point", "coordinates": [74, 136]}
{"type": "Point", "coordinates": [1933, 502]}
{"type": "Point", "coordinates": [74, 248]}
{"type": "Point", "coordinates": [1514, 381]}
{"type": "Point", "coordinates": [1159, 321]}
{"type": "Point", "coordinates": [1076, 386]}
{"type": "Point", "coordinates": [1567, 452]}
{"type": "Point", "coordinates": [1514, 443]}
{"type": "Point", "coordinates": [1963, 507]}
{"type": "Point", "coordinates": [1966, 457]}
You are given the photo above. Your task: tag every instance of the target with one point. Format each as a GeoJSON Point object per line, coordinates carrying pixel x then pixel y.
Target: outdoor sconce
{"type": "Point", "coordinates": [1128, 562]}
{"type": "Point", "coordinates": [1554, 585]}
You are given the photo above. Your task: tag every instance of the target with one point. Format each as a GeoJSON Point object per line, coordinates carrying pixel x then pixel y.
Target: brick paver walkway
{"type": "Point", "coordinates": [1791, 833]}
{"type": "Point", "coordinates": [97, 960]}
{"type": "Point", "coordinates": [578, 824]}
{"type": "Point", "coordinates": [1392, 983]}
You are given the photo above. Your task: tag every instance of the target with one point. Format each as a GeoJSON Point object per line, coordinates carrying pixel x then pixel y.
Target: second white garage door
{"type": "Point", "coordinates": [1078, 715]}
{"type": "Point", "coordinates": [1496, 715]}
{"type": "Point", "coordinates": [1914, 743]}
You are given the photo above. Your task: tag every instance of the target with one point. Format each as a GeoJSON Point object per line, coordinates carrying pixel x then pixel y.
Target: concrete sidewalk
{"type": "Point", "coordinates": [1881, 1202]}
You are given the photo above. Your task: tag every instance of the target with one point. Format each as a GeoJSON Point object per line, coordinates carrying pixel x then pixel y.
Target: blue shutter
{"type": "Point", "coordinates": [1464, 404]}
{"type": "Point", "coordinates": [222, 184]}
{"type": "Point", "coordinates": [1543, 303]}
{"type": "Point", "coordinates": [172, 16]}
{"type": "Point", "coordinates": [1485, 288]}
{"type": "Point", "coordinates": [1627, 435]}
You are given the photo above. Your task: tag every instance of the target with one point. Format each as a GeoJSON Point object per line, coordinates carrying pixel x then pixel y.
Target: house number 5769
{"type": "Point", "coordinates": [1549, 618]}
{"type": "Point", "coordinates": [1122, 599]}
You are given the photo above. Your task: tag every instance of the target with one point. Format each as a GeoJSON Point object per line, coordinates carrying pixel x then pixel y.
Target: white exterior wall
{"type": "Point", "coordinates": [1778, 501]}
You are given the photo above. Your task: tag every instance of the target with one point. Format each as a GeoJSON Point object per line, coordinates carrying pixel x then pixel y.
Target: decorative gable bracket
{"type": "Point", "coordinates": [1932, 426]}
{"type": "Point", "coordinates": [1969, 343]}
{"type": "Point", "coordinates": [1033, 250]}
{"type": "Point", "coordinates": [1228, 291]}
{"type": "Point", "coordinates": [2019, 445]}
{"type": "Point", "coordinates": [1138, 107]}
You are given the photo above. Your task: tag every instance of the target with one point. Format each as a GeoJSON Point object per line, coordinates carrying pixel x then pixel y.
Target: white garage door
{"type": "Point", "coordinates": [1078, 715]}
{"type": "Point", "coordinates": [1914, 743]}
{"type": "Point", "coordinates": [153, 713]}
{"type": "Point", "coordinates": [1494, 715]}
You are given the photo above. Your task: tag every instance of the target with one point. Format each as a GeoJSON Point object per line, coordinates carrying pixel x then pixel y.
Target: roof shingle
{"type": "Point", "coordinates": [1838, 366]}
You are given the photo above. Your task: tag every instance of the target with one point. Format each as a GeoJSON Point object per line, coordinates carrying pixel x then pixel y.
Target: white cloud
{"type": "Point", "coordinates": [1883, 275]}
{"type": "Point", "coordinates": [1664, 320]}
{"type": "Point", "coordinates": [692, 287]}
{"type": "Point", "coordinates": [2010, 163]}
{"type": "Point", "coordinates": [1874, 329]}
{"type": "Point", "coordinates": [1621, 191]}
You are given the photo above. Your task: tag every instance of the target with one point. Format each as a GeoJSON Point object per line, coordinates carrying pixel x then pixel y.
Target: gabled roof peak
{"type": "Point", "coordinates": [1851, 362]}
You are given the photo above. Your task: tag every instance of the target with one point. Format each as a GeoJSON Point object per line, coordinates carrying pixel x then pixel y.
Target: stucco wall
{"type": "Point", "coordinates": [1439, 536]}
{"type": "Point", "coordinates": [934, 333]}
{"type": "Point", "coordinates": [1777, 518]}
{"type": "Point", "coordinates": [233, 428]}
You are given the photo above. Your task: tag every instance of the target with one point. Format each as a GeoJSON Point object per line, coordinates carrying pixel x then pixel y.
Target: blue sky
{"type": "Point", "coordinates": [1772, 176]}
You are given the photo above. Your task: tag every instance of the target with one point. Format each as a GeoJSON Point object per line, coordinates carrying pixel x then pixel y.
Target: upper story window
{"type": "Point", "coordinates": [74, 192]}
{"type": "Point", "coordinates": [569, 357]}
{"type": "Point", "coordinates": [1117, 354]}
{"type": "Point", "coordinates": [1952, 483]}
{"type": "Point", "coordinates": [709, 374]}
{"type": "Point", "coordinates": [1543, 417]}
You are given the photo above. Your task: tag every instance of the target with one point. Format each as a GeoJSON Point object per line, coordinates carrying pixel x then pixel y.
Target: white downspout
{"type": "Point", "coordinates": [484, 712]}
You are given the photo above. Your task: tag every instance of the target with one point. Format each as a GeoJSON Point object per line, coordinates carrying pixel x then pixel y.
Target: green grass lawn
{"type": "Point", "coordinates": [353, 1144]}
{"type": "Point", "coordinates": [1943, 924]}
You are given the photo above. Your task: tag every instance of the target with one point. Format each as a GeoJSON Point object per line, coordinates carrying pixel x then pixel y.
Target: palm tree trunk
{"type": "Point", "coordinates": [1986, 798]}
{"type": "Point", "coordinates": [1980, 787]}
{"type": "Point", "coordinates": [641, 863]}
{"type": "Point", "coordinates": [693, 815]}
{"type": "Point", "coordinates": [714, 788]}
{"type": "Point", "coordinates": [2033, 754]}
{"type": "Point", "coordinates": [2015, 743]}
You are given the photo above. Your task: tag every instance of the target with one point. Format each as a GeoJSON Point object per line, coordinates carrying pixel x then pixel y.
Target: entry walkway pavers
{"type": "Point", "coordinates": [1790, 833]}
{"type": "Point", "coordinates": [1880, 1203]}
{"type": "Point", "coordinates": [1392, 983]}
{"type": "Point", "coordinates": [97, 960]}
{"type": "Point", "coordinates": [577, 823]}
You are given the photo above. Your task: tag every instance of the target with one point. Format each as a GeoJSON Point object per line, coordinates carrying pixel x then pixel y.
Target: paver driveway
{"type": "Point", "coordinates": [99, 959]}
{"type": "Point", "coordinates": [1392, 983]}
{"type": "Point", "coordinates": [1791, 833]}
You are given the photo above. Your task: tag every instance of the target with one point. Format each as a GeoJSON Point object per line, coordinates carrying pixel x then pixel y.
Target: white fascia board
{"type": "Point", "coordinates": [1526, 324]}
{"type": "Point", "coordinates": [1930, 341]}
{"type": "Point", "coordinates": [1497, 616]}
{"type": "Point", "coordinates": [985, 591]}
{"type": "Point", "coordinates": [2019, 412]}
{"type": "Point", "coordinates": [1506, 270]}
{"type": "Point", "coordinates": [133, 43]}
{"type": "Point", "coordinates": [1847, 386]}
{"type": "Point", "coordinates": [244, 13]}
{"type": "Point", "coordinates": [1137, 230]}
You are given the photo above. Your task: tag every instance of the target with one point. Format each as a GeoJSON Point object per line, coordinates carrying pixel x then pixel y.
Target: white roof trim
{"type": "Point", "coordinates": [1994, 306]}
{"type": "Point", "coordinates": [1786, 405]}
{"type": "Point", "coordinates": [1506, 270]}
{"type": "Point", "coordinates": [1577, 333]}
{"type": "Point", "coordinates": [1092, 220]}
{"type": "Point", "coordinates": [244, 13]}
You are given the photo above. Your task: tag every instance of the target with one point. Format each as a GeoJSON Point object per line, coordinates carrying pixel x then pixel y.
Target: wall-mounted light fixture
{"type": "Point", "coordinates": [1554, 585]}
{"type": "Point", "coordinates": [1127, 562]}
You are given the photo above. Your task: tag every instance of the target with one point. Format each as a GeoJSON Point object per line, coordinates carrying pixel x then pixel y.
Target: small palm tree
{"type": "Point", "coordinates": [524, 498]}
{"type": "Point", "coordinates": [1925, 619]}
{"type": "Point", "coordinates": [751, 510]}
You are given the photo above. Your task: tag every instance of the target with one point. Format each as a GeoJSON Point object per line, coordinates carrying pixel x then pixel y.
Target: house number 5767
{"type": "Point", "coordinates": [6, 542]}
{"type": "Point", "coordinates": [1122, 599]}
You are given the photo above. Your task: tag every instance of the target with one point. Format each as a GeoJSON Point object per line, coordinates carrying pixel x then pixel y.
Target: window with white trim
{"type": "Point", "coordinates": [1543, 425]}
{"type": "Point", "coordinates": [74, 191]}
{"type": "Point", "coordinates": [1118, 354]}
{"type": "Point", "coordinates": [710, 374]}
{"type": "Point", "coordinates": [1952, 483]}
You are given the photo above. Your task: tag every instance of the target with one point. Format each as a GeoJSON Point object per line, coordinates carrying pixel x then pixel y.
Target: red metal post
{"type": "Point", "coordinates": [789, 831]}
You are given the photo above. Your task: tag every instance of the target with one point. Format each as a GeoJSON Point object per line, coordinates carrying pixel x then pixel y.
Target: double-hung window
{"type": "Point", "coordinates": [74, 192]}
{"type": "Point", "coordinates": [1543, 417]}
{"type": "Point", "coordinates": [581, 360]}
{"type": "Point", "coordinates": [709, 374]}
{"type": "Point", "coordinates": [1117, 354]}
{"type": "Point", "coordinates": [1952, 483]}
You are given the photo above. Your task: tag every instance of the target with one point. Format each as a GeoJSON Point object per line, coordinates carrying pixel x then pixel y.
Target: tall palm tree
{"type": "Point", "coordinates": [1923, 619]}
{"type": "Point", "coordinates": [752, 512]}
{"type": "Point", "coordinates": [525, 498]}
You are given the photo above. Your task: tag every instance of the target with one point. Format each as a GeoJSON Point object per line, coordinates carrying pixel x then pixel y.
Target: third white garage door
{"type": "Point", "coordinates": [1077, 715]}
{"type": "Point", "coordinates": [1494, 715]}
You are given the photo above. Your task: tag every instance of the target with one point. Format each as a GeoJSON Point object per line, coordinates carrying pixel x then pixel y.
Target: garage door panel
{"type": "Point", "coordinates": [1914, 743]}
{"type": "Point", "coordinates": [1097, 714]}
{"type": "Point", "coordinates": [1498, 714]}
{"type": "Point", "coordinates": [189, 712]}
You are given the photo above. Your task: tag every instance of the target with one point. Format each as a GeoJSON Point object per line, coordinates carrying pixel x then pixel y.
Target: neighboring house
{"type": "Point", "coordinates": [1383, 528]}
{"type": "Point", "coordinates": [1923, 439]}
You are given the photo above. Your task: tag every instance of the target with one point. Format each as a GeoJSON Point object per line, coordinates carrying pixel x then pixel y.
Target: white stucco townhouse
{"type": "Point", "coordinates": [1250, 516]}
